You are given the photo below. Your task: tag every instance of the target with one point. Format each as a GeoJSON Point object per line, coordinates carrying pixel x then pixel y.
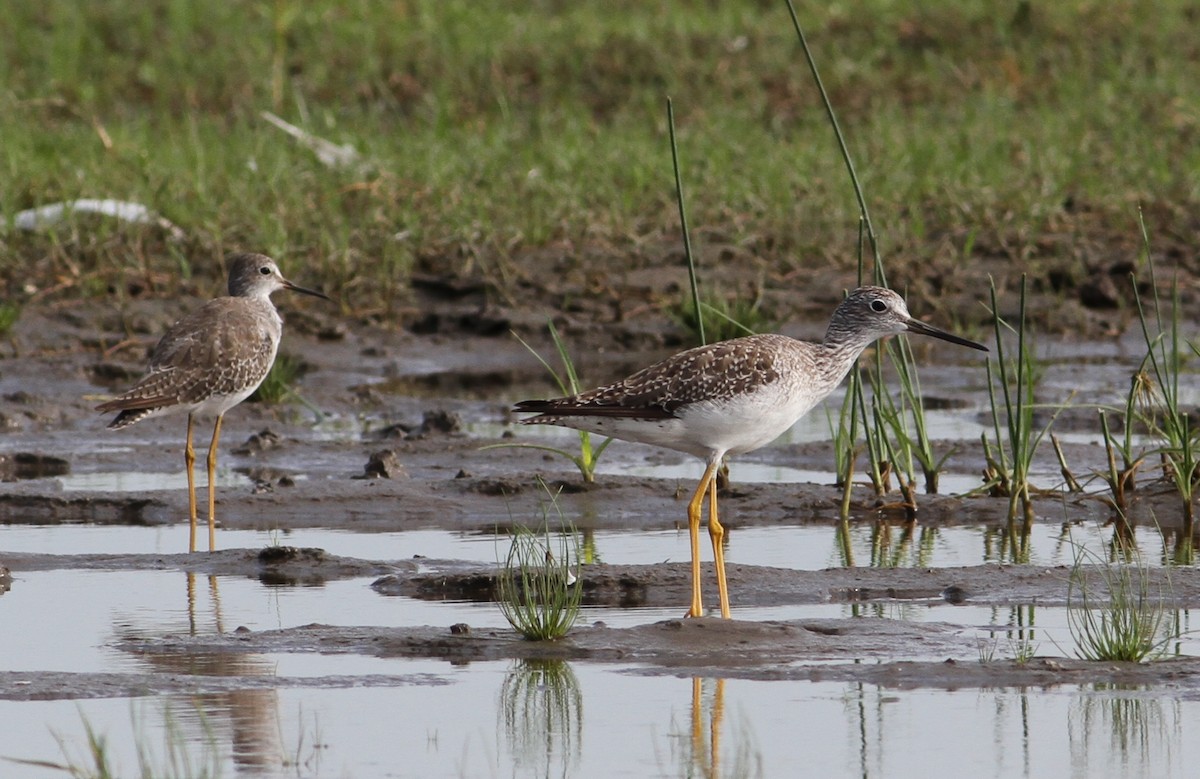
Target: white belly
{"type": "Point", "coordinates": [731, 427]}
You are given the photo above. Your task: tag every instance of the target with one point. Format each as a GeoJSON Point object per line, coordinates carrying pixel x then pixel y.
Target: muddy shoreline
{"type": "Point", "coordinates": [430, 406]}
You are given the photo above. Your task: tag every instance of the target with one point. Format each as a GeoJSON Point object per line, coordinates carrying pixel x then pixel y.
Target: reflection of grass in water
{"type": "Point", "coordinates": [541, 708]}
{"type": "Point", "coordinates": [1019, 635]}
{"type": "Point", "coordinates": [180, 755]}
{"type": "Point", "coordinates": [1140, 728]}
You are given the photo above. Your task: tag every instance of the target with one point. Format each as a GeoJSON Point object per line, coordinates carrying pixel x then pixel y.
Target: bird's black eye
{"type": "Point", "coordinates": [265, 270]}
{"type": "Point", "coordinates": [878, 306]}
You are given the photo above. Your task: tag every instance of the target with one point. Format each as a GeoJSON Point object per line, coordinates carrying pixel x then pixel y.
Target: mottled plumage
{"type": "Point", "coordinates": [732, 397]}
{"type": "Point", "coordinates": [211, 360]}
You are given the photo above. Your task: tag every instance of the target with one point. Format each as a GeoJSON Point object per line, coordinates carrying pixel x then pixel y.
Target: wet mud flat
{"type": "Point", "coordinates": [864, 649]}
{"type": "Point", "coordinates": [399, 445]}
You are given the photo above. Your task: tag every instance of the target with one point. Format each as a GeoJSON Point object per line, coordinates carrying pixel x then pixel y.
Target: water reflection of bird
{"type": "Point", "coordinates": [210, 361]}
{"type": "Point", "coordinates": [732, 397]}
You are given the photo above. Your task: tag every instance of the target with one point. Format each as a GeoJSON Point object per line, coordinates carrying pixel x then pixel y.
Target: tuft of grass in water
{"type": "Point", "coordinates": [1022, 650]}
{"type": "Point", "coordinates": [1019, 650]}
{"type": "Point", "coordinates": [1158, 389]}
{"type": "Point", "coordinates": [284, 373]}
{"type": "Point", "coordinates": [539, 589]}
{"type": "Point", "coordinates": [1016, 437]}
{"type": "Point", "coordinates": [1121, 479]}
{"type": "Point", "coordinates": [916, 442]}
{"type": "Point", "coordinates": [568, 384]}
{"type": "Point", "coordinates": [1115, 613]}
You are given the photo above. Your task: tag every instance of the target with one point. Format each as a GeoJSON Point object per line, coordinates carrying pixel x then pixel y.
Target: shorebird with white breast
{"type": "Point", "coordinates": [210, 361]}
{"type": "Point", "coordinates": [733, 397]}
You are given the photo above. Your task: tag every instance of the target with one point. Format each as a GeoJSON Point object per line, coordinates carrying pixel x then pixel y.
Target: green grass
{"type": "Point", "coordinates": [9, 314]}
{"type": "Point", "coordinates": [1012, 385]}
{"type": "Point", "coordinates": [722, 318]}
{"type": "Point", "coordinates": [1115, 612]}
{"type": "Point", "coordinates": [568, 384]}
{"type": "Point", "coordinates": [180, 754]}
{"type": "Point", "coordinates": [280, 380]}
{"type": "Point", "coordinates": [539, 588]}
{"type": "Point", "coordinates": [1159, 391]}
{"type": "Point", "coordinates": [497, 128]}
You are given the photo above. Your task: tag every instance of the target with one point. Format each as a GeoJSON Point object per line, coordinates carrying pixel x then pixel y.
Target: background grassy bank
{"type": "Point", "coordinates": [493, 133]}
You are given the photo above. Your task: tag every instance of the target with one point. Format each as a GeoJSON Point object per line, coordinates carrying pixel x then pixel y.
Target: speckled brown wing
{"type": "Point", "coordinates": [714, 372]}
{"type": "Point", "coordinates": [220, 349]}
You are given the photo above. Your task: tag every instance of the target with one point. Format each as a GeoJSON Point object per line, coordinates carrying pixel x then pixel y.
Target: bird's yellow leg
{"type": "Point", "coordinates": [717, 533]}
{"type": "Point", "coordinates": [189, 459]}
{"type": "Point", "coordinates": [695, 506]}
{"type": "Point", "coordinates": [212, 485]}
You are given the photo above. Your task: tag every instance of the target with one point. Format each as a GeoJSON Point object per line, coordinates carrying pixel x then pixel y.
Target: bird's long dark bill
{"type": "Point", "coordinates": [296, 288]}
{"type": "Point", "coordinates": [915, 326]}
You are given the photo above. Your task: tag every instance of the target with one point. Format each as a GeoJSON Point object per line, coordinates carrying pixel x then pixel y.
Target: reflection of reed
{"type": "Point", "coordinates": [1141, 730]}
{"type": "Point", "coordinates": [1182, 547]}
{"type": "Point", "coordinates": [894, 543]}
{"type": "Point", "coordinates": [542, 711]}
{"type": "Point", "coordinates": [1007, 544]}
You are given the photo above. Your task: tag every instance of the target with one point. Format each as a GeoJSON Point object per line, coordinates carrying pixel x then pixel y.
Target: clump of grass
{"type": "Point", "coordinates": [1115, 612]}
{"type": "Point", "coordinates": [721, 319]}
{"type": "Point", "coordinates": [568, 384]}
{"type": "Point", "coordinates": [539, 588]}
{"type": "Point", "coordinates": [1162, 410]}
{"type": "Point", "coordinates": [1020, 650]}
{"type": "Point", "coordinates": [9, 313]}
{"type": "Point", "coordinates": [278, 384]}
{"type": "Point", "coordinates": [1016, 437]}
{"type": "Point", "coordinates": [1120, 479]}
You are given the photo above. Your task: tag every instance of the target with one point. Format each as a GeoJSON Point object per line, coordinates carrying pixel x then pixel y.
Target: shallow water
{"type": "Point", "coordinates": [431, 718]}
{"type": "Point", "coordinates": [563, 719]}
{"type": "Point", "coordinates": [799, 547]}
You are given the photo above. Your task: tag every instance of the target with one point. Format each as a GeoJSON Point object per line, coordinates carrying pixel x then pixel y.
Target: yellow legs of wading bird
{"type": "Point", "coordinates": [210, 361]}
{"type": "Point", "coordinates": [733, 397]}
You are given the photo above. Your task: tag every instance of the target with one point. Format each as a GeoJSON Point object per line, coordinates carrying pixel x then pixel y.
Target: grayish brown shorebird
{"type": "Point", "coordinates": [210, 361]}
{"type": "Point", "coordinates": [733, 397]}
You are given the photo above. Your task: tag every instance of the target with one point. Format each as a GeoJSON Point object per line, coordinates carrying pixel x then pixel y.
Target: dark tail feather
{"type": "Point", "coordinates": [128, 417]}
{"type": "Point", "coordinates": [534, 406]}
{"type": "Point", "coordinates": [557, 408]}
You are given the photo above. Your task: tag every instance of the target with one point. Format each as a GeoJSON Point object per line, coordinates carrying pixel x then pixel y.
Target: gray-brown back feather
{"type": "Point", "coordinates": [714, 372]}
{"type": "Point", "coordinates": [223, 347]}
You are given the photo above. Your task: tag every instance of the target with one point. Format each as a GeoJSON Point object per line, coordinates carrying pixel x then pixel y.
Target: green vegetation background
{"type": "Point", "coordinates": [1024, 133]}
